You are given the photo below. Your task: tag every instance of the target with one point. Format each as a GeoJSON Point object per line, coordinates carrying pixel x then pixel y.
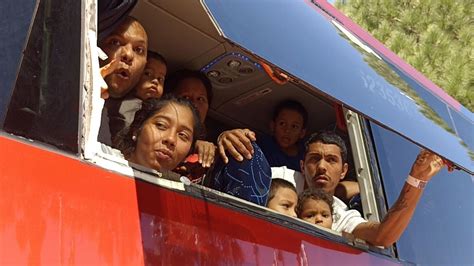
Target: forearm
{"type": "Point", "coordinates": [392, 226]}
{"type": "Point", "coordinates": [394, 223]}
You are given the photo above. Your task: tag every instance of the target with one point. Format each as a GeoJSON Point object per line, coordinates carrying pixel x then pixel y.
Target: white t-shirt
{"type": "Point", "coordinates": [344, 219]}
{"type": "Point", "coordinates": [292, 176]}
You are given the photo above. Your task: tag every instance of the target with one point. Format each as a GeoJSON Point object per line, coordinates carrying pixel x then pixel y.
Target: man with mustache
{"type": "Point", "coordinates": [325, 165]}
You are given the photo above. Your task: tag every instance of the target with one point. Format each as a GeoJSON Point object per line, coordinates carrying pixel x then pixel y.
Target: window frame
{"type": "Point", "coordinates": [92, 151]}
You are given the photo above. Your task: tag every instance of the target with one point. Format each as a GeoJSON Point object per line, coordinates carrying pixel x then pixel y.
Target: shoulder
{"type": "Point", "coordinates": [343, 218]}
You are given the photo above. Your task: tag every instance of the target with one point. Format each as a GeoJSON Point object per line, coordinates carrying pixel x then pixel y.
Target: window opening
{"type": "Point", "coordinates": [45, 101]}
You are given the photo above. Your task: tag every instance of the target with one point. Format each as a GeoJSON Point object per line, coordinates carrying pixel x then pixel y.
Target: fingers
{"type": "Point", "coordinates": [109, 68]}
{"type": "Point", "coordinates": [104, 93]}
{"type": "Point", "coordinates": [238, 143]}
{"type": "Point", "coordinates": [222, 152]}
{"type": "Point", "coordinates": [242, 142]}
{"type": "Point", "coordinates": [230, 148]}
{"type": "Point", "coordinates": [427, 165]}
{"type": "Point", "coordinates": [251, 135]}
{"type": "Point", "coordinates": [206, 151]}
{"type": "Point", "coordinates": [104, 72]}
{"type": "Point", "coordinates": [437, 163]}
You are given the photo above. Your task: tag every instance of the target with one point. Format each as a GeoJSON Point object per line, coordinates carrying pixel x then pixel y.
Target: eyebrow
{"type": "Point", "coordinates": [169, 119]}
{"type": "Point", "coordinates": [141, 42]}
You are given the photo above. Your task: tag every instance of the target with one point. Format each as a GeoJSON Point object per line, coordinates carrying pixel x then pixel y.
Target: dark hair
{"type": "Point", "coordinates": [314, 194]}
{"type": "Point", "coordinates": [279, 183]}
{"type": "Point", "coordinates": [328, 137]}
{"type": "Point", "coordinates": [177, 77]}
{"type": "Point", "coordinates": [291, 105]}
{"type": "Point", "coordinates": [156, 56]}
{"type": "Point", "coordinates": [150, 107]}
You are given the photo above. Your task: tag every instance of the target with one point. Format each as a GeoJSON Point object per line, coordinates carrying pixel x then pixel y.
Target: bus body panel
{"type": "Point", "coordinates": [57, 209]}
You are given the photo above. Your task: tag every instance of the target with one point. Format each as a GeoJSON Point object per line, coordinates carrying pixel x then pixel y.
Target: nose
{"type": "Point", "coordinates": [154, 81]}
{"type": "Point", "coordinates": [126, 54]}
{"type": "Point", "coordinates": [292, 213]}
{"type": "Point", "coordinates": [169, 139]}
{"type": "Point", "coordinates": [322, 166]}
{"type": "Point", "coordinates": [194, 101]}
{"type": "Point", "coordinates": [319, 219]}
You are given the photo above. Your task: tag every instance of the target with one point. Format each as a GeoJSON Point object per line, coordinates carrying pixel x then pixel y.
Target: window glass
{"type": "Point", "coordinates": [441, 230]}
{"type": "Point", "coordinates": [14, 26]}
{"type": "Point", "coordinates": [45, 100]}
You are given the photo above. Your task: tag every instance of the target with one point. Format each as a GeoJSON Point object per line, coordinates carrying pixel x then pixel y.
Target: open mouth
{"type": "Point", "coordinates": [123, 73]}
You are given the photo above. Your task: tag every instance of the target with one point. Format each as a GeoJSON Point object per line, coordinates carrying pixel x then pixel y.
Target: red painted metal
{"type": "Point", "coordinates": [60, 210]}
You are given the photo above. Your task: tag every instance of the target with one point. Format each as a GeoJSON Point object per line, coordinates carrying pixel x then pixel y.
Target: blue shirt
{"type": "Point", "coordinates": [276, 157]}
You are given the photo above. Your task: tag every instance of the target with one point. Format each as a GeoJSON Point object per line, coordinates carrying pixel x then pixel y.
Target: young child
{"type": "Point", "coordinates": [315, 206]}
{"type": "Point", "coordinates": [288, 127]}
{"type": "Point", "coordinates": [121, 112]}
{"type": "Point", "coordinates": [283, 197]}
{"type": "Point", "coordinates": [152, 80]}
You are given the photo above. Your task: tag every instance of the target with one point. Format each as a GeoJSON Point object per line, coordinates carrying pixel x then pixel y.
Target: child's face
{"type": "Point", "coordinates": [194, 90]}
{"type": "Point", "coordinates": [152, 80]}
{"type": "Point", "coordinates": [288, 128]}
{"type": "Point", "coordinates": [284, 201]}
{"type": "Point", "coordinates": [317, 212]}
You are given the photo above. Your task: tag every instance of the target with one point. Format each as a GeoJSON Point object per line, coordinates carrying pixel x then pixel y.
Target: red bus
{"type": "Point", "coordinates": [64, 201]}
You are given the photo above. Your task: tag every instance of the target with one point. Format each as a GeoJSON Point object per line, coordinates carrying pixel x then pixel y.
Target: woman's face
{"type": "Point", "coordinates": [165, 138]}
{"type": "Point", "coordinates": [195, 91]}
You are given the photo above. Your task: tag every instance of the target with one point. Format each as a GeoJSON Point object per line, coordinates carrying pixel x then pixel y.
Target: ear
{"type": "Point", "coordinates": [302, 166]}
{"type": "Point", "coordinates": [345, 167]}
{"type": "Point", "coordinates": [302, 133]}
{"type": "Point", "coordinates": [272, 126]}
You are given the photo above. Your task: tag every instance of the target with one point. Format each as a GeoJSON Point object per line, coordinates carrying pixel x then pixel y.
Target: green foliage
{"type": "Point", "coordinates": [434, 36]}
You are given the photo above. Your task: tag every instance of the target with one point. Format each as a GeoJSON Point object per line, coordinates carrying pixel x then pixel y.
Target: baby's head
{"type": "Point", "coordinates": [153, 77]}
{"type": "Point", "coordinates": [288, 125]}
{"type": "Point", "coordinates": [315, 206]}
{"type": "Point", "coordinates": [283, 197]}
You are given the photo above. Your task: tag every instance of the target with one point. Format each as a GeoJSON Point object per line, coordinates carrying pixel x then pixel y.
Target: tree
{"type": "Point", "coordinates": [434, 36]}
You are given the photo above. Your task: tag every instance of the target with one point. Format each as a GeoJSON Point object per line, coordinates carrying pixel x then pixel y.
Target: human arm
{"type": "Point", "coordinates": [395, 222]}
{"type": "Point", "coordinates": [237, 142]}
{"type": "Point", "coordinates": [345, 190]}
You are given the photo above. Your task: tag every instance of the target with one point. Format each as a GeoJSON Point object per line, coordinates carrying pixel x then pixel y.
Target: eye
{"type": "Point", "coordinates": [281, 123]}
{"type": "Point", "coordinates": [315, 158]}
{"type": "Point", "coordinates": [160, 125]}
{"type": "Point", "coordinates": [115, 42]}
{"type": "Point", "coordinates": [332, 160]}
{"type": "Point", "coordinates": [148, 72]}
{"type": "Point", "coordinates": [296, 127]}
{"type": "Point", "coordinates": [185, 136]}
{"type": "Point", "coordinates": [161, 80]}
{"type": "Point", "coordinates": [202, 99]}
{"type": "Point", "coordinates": [140, 50]}
{"type": "Point", "coordinates": [325, 215]}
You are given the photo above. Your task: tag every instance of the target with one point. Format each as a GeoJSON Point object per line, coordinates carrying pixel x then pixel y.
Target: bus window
{"type": "Point", "coordinates": [15, 24]}
{"type": "Point", "coordinates": [448, 203]}
{"type": "Point", "coordinates": [45, 101]}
